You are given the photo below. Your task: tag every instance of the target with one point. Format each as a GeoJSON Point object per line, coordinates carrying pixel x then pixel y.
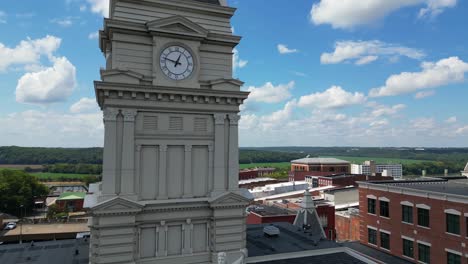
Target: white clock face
{"type": "Point", "coordinates": [176, 63]}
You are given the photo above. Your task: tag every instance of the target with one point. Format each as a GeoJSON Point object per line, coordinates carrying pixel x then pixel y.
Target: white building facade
{"type": "Point", "coordinates": [391, 170]}
{"type": "Point", "coordinates": [170, 168]}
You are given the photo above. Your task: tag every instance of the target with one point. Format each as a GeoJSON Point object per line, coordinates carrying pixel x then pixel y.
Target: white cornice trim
{"type": "Point", "coordinates": [424, 243]}
{"type": "Point", "coordinates": [371, 196]}
{"type": "Point", "coordinates": [407, 238]}
{"type": "Point", "coordinates": [387, 187]}
{"type": "Point", "coordinates": [384, 199]}
{"type": "Point", "coordinates": [453, 252]}
{"type": "Point", "coordinates": [423, 206]}
{"type": "Point", "coordinates": [452, 211]}
{"type": "Point", "coordinates": [407, 203]}
{"type": "Point", "coordinates": [372, 227]}
{"type": "Point", "coordinates": [385, 231]}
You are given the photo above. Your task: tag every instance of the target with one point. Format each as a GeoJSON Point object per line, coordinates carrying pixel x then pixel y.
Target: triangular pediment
{"type": "Point", "coordinates": [117, 205]}
{"type": "Point", "coordinates": [121, 76]}
{"type": "Point", "coordinates": [229, 199]}
{"type": "Point", "coordinates": [177, 25]}
{"type": "Point", "coordinates": [226, 85]}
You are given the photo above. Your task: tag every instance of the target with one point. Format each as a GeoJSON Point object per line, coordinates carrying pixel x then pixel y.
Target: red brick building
{"type": "Point", "coordinates": [347, 225]}
{"type": "Point", "coordinates": [342, 180]}
{"type": "Point", "coordinates": [317, 167]}
{"type": "Point", "coordinates": [286, 212]}
{"type": "Point", "coordinates": [248, 174]}
{"type": "Point", "coordinates": [72, 201]}
{"type": "Point", "coordinates": [421, 221]}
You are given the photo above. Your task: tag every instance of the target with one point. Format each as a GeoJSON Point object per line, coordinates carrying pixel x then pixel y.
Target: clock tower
{"type": "Point", "coordinates": [169, 192]}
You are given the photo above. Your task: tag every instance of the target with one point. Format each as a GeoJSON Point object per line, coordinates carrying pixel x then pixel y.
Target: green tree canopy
{"type": "Point", "coordinates": [19, 188]}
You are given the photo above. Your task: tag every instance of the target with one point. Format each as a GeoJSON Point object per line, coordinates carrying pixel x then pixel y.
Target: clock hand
{"type": "Point", "coordinates": [178, 59]}
{"type": "Point", "coordinates": [171, 60]}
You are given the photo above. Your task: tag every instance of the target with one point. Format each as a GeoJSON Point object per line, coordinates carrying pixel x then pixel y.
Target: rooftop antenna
{"type": "Point", "coordinates": [308, 156]}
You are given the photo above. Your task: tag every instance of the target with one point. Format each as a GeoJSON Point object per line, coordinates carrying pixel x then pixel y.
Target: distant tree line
{"type": "Point", "coordinates": [93, 169]}
{"type": "Point", "coordinates": [429, 154]}
{"type": "Point", "coordinates": [89, 160]}
{"type": "Point", "coordinates": [433, 167]}
{"type": "Point", "coordinates": [27, 155]}
{"type": "Point", "coordinates": [247, 156]}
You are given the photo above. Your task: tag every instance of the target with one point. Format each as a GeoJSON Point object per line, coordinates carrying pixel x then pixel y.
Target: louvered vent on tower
{"type": "Point", "coordinates": [150, 123]}
{"type": "Point", "coordinates": [201, 124]}
{"type": "Point", "coordinates": [176, 123]}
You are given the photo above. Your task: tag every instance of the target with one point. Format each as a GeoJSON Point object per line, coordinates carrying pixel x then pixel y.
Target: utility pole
{"type": "Point", "coordinates": [21, 224]}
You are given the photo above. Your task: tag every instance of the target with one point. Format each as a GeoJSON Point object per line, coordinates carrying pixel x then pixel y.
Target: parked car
{"type": "Point", "coordinates": [10, 226]}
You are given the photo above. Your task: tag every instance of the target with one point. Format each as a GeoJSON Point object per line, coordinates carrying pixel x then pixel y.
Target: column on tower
{"type": "Point", "coordinates": [233, 166]}
{"type": "Point", "coordinates": [128, 151]}
{"type": "Point", "coordinates": [219, 155]}
{"type": "Point", "coordinates": [110, 149]}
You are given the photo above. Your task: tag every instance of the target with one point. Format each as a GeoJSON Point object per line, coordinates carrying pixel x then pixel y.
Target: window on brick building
{"type": "Point", "coordinates": [466, 221]}
{"type": "Point", "coordinates": [423, 217]}
{"type": "Point", "coordinates": [384, 209]}
{"type": "Point", "coordinates": [453, 258]}
{"type": "Point", "coordinates": [453, 223]}
{"type": "Point", "coordinates": [407, 214]}
{"type": "Point", "coordinates": [424, 253]}
{"type": "Point", "coordinates": [384, 240]}
{"type": "Point", "coordinates": [408, 248]}
{"type": "Point", "coordinates": [372, 236]}
{"type": "Point", "coordinates": [371, 206]}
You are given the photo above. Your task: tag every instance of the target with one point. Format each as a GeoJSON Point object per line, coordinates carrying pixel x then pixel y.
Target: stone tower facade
{"type": "Point", "coordinates": [170, 172]}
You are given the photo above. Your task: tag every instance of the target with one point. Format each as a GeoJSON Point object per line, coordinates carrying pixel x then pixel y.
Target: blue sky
{"type": "Point", "coordinates": [320, 72]}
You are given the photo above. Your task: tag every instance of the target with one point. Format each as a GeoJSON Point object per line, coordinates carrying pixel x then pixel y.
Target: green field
{"type": "Point", "coordinates": [356, 160]}
{"type": "Point", "coordinates": [49, 175]}
{"type": "Point", "coordinates": [279, 165]}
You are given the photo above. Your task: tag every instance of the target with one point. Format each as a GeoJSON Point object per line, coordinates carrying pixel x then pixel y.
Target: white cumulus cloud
{"type": "Point", "coordinates": [435, 7]}
{"type": "Point", "coordinates": [283, 49]}
{"type": "Point", "coordinates": [346, 14]}
{"type": "Point", "coordinates": [237, 62]}
{"type": "Point", "coordinates": [334, 97]}
{"type": "Point", "coordinates": [434, 74]}
{"type": "Point", "coordinates": [99, 7]}
{"type": "Point", "coordinates": [451, 120]}
{"type": "Point", "coordinates": [63, 22]}
{"type": "Point", "coordinates": [269, 93]}
{"type": "Point", "coordinates": [424, 94]}
{"type": "Point", "coordinates": [28, 52]}
{"type": "Point", "coordinates": [93, 35]}
{"type": "Point", "coordinates": [85, 105]}
{"type": "Point", "coordinates": [51, 129]}
{"type": "Point", "coordinates": [3, 17]}
{"type": "Point", "coordinates": [53, 84]}
{"type": "Point", "coordinates": [383, 110]}
{"type": "Point", "coordinates": [365, 52]}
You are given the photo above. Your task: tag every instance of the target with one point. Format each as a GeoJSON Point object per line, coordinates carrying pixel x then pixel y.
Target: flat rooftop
{"type": "Point", "coordinates": [266, 210]}
{"type": "Point", "coordinates": [37, 229]}
{"type": "Point", "coordinates": [442, 186]}
{"type": "Point", "coordinates": [291, 247]}
{"type": "Point", "coordinates": [320, 161]}
{"type": "Point", "coordinates": [50, 252]}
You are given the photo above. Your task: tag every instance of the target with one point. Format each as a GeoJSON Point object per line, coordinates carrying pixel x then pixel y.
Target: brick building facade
{"type": "Point", "coordinates": [421, 221]}
{"type": "Point", "coordinates": [317, 167]}
{"type": "Point", "coordinates": [347, 225]}
{"type": "Point", "coordinates": [248, 174]}
{"type": "Point", "coordinates": [286, 212]}
{"type": "Point", "coordinates": [342, 180]}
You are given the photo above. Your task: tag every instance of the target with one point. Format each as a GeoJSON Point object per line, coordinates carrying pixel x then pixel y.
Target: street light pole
{"type": "Point", "coordinates": [21, 224]}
